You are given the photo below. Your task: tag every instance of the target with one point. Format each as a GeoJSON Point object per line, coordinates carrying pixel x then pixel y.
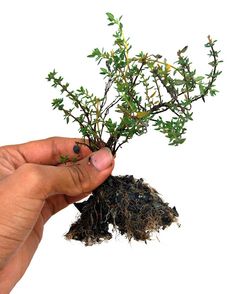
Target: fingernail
{"type": "Point", "coordinates": [102, 159]}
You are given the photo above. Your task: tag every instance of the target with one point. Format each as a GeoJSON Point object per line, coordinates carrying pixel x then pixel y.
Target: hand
{"type": "Point", "coordinates": [33, 187]}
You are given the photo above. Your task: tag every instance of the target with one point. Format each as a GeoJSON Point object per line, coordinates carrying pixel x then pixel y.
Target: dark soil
{"type": "Point", "coordinates": [130, 205]}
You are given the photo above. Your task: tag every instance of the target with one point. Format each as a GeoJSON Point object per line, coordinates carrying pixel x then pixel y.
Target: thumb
{"type": "Point", "coordinates": [82, 177]}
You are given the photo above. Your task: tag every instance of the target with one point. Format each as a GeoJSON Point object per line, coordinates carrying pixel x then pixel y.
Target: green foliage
{"type": "Point", "coordinates": [64, 159]}
{"type": "Point", "coordinates": [146, 86]}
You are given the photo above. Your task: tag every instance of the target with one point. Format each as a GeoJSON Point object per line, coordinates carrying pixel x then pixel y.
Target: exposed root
{"type": "Point", "coordinates": [131, 206]}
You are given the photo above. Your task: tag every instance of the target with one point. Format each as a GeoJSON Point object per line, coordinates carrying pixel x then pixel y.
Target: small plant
{"type": "Point", "coordinates": [146, 91]}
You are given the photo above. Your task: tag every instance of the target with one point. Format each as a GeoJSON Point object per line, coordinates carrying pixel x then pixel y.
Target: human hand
{"type": "Point", "coordinates": [33, 187]}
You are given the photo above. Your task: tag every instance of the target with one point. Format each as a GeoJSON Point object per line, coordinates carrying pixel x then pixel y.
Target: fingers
{"type": "Point", "coordinates": [26, 190]}
{"type": "Point", "coordinates": [39, 182]}
{"type": "Point", "coordinates": [48, 151]}
{"type": "Point", "coordinates": [24, 193]}
{"type": "Point", "coordinates": [81, 178]}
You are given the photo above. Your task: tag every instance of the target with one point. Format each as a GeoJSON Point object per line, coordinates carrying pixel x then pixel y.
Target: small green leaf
{"type": "Point", "coordinates": [104, 71]}
{"type": "Point", "coordinates": [95, 53]}
{"type": "Point", "coordinates": [110, 16]}
{"type": "Point", "coordinates": [63, 159]}
{"type": "Point", "coordinates": [199, 78]}
{"type": "Point", "coordinates": [184, 49]}
{"type": "Point", "coordinates": [179, 82]}
{"type": "Point", "coordinates": [74, 159]}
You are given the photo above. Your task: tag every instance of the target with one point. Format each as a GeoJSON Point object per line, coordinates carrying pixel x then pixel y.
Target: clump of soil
{"type": "Point", "coordinates": [130, 205]}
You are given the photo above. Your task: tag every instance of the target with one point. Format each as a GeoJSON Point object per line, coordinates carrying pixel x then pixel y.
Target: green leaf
{"type": "Point", "coordinates": [110, 17]}
{"type": "Point", "coordinates": [57, 103]}
{"type": "Point", "coordinates": [179, 82]}
{"type": "Point", "coordinates": [74, 159]}
{"type": "Point", "coordinates": [213, 92]}
{"type": "Point", "coordinates": [213, 63]}
{"type": "Point", "coordinates": [199, 78]}
{"type": "Point", "coordinates": [184, 49]}
{"type": "Point", "coordinates": [111, 126]}
{"type": "Point", "coordinates": [95, 53]}
{"type": "Point", "coordinates": [63, 159]}
{"type": "Point", "coordinates": [104, 71]}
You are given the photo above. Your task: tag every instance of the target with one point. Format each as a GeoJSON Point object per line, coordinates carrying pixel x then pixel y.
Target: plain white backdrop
{"type": "Point", "coordinates": [197, 177]}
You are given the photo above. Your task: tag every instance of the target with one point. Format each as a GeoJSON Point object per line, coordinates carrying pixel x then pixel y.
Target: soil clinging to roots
{"type": "Point", "coordinates": [130, 205]}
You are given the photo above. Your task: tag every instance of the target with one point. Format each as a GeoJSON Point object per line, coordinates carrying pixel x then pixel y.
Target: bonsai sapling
{"type": "Point", "coordinates": [149, 92]}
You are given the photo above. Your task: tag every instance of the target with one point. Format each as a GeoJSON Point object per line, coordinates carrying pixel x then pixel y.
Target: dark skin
{"type": "Point", "coordinates": [33, 187]}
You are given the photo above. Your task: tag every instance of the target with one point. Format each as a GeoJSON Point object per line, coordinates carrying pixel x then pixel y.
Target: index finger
{"type": "Point", "coordinates": [48, 151]}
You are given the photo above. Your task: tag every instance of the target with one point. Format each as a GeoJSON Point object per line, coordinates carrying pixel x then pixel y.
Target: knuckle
{"type": "Point", "coordinates": [36, 178]}
{"type": "Point", "coordinates": [32, 173]}
{"type": "Point", "coordinates": [54, 147]}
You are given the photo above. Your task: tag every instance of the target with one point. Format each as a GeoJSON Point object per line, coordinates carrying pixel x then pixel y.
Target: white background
{"type": "Point", "coordinates": [197, 177]}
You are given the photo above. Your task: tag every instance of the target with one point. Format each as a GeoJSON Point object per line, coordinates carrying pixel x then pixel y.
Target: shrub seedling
{"type": "Point", "coordinates": [149, 91]}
